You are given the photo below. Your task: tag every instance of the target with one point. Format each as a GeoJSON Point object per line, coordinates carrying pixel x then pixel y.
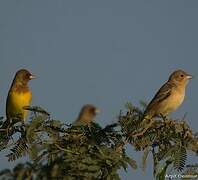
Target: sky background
{"type": "Point", "coordinates": [101, 52]}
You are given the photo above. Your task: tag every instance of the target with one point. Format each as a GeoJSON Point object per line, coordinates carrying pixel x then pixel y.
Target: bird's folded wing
{"type": "Point", "coordinates": [163, 93]}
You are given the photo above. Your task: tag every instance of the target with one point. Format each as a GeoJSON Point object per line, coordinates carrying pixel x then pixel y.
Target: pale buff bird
{"type": "Point", "coordinates": [170, 96]}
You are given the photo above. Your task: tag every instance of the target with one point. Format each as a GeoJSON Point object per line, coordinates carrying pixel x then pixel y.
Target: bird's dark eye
{"type": "Point", "coordinates": [181, 75]}
{"type": "Point", "coordinates": [92, 110]}
{"type": "Point", "coordinates": [27, 76]}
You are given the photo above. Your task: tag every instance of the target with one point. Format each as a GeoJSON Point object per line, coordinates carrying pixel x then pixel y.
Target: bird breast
{"type": "Point", "coordinates": [17, 101]}
{"type": "Point", "coordinates": [173, 101]}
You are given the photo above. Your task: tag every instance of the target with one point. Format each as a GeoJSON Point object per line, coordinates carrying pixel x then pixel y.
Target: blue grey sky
{"type": "Point", "coordinates": [101, 52]}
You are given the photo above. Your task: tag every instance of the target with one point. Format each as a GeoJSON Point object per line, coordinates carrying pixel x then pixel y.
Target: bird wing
{"type": "Point", "coordinates": [163, 93]}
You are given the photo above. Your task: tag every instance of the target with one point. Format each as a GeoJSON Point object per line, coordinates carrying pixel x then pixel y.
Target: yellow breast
{"type": "Point", "coordinates": [15, 103]}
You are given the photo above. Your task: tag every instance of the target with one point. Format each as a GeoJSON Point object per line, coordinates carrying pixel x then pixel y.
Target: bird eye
{"type": "Point", "coordinates": [181, 75]}
{"type": "Point", "coordinates": [27, 76]}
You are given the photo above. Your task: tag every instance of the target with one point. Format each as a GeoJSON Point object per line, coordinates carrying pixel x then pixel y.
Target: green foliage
{"type": "Point", "coordinates": [63, 151]}
{"type": "Point", "coordinates": [18, 150]}
{"type": "Point", "coordinates": [169, 139]}
{"type": "Point", "coordinates": [179, 158]}
{"type": "Point", "coordinates": [144, 158]}
{"type": "Point", "coordinates": [162, 172]}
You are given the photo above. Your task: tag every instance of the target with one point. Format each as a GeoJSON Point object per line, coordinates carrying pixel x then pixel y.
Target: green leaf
{"type": "Point", "coordinates": [144, 158]}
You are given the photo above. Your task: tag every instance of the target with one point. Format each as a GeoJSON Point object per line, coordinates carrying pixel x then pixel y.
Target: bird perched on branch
{"type": "Point", "coordinates": [18, 97]}
{"type": "Point", "coordinates": [86, 115]}
{"type": "Point", "coordinates": [170, 96]}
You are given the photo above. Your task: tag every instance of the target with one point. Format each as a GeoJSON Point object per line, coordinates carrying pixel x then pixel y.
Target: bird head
{"type": "Point", "coordinates": [23, 76]}
{"type": "Point", "coordinates": [180, 77]}
{"type": "Point", "coordinates": [88, 113]}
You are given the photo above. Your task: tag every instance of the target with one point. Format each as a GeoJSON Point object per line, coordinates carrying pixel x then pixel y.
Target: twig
{"type": "Point", "coordinates": [120, 146]}
{"type": "Point", "coordinates": [66, 150]}
{"type": "Point", "coordinates": [142, 133]}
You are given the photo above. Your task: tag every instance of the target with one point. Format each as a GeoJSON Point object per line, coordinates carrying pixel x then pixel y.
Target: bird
{"type": "Point", "coordinates": [19, 96]}
{"type": "Point", "coordinates": [86, 115]}
{"type": "Point", "coordinates": [170, 96]}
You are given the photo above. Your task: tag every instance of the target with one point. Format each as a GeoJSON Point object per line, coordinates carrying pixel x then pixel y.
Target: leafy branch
{"type": "Point", "coordinates": [58, 150]}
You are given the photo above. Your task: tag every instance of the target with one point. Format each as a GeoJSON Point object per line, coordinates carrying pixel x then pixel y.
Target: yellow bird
{"type": "Point", "coordinates": [19, 96]}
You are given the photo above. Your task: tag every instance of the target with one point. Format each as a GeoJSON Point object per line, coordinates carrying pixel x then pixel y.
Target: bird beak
{"type": "Point", "coordinates": [97, 111]}
{"type": "Point", "coordinates": [189, 77]}
{"type": "Point", "coordinates": [32, 77]}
